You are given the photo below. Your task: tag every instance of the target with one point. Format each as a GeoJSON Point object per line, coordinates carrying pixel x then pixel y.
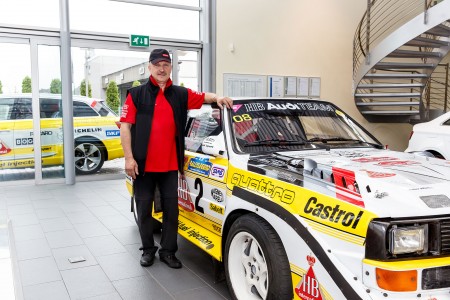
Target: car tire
{"type": "Point", "coordinates": [89, 157]}
{"type": "Point", "coordinates": [256, 264]}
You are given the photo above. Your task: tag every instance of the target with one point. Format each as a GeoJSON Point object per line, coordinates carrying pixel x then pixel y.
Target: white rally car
{"type": "Point", "coordinates": [300, 202]}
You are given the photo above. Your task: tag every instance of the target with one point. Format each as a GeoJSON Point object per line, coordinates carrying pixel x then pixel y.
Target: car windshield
{"type": "Point", "coordinates": [277, 125]}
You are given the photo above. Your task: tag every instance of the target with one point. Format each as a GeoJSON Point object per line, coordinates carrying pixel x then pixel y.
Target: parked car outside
{"type": "Point", "coordinates": [298, 201]}
{"type": "Point", "coordinates": [432, 137]}
{"type": "Point", "coordinates": [96, 132]}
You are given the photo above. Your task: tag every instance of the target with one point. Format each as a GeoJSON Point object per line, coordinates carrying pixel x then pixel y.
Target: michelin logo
{"type": "Point", "coordinates": [112, 132]}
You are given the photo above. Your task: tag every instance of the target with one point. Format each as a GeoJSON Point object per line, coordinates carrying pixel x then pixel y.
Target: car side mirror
{"type": "Point", "coordinates": [214, 145]}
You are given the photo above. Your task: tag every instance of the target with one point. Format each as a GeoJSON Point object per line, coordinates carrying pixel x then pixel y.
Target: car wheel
{"type": "Point", "coordinates": [256, 264]}
{"type": "Point", "coordinates": [89, 157]}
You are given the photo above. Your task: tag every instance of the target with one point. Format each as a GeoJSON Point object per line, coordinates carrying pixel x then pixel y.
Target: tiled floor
{"type": "Point", "coordinates": [52, 223]}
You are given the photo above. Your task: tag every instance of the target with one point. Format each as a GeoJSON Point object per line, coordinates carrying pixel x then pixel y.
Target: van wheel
{"type": "Point", "coordinates": [256, 264]}
{"type": "Point", "coordinates": [89, 157]}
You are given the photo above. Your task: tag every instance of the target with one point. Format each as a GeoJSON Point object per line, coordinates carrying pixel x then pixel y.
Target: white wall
{"type": "Point", "coordinates": [298, 38]}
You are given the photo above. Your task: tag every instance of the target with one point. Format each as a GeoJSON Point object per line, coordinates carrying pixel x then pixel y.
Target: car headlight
{"type": "Point", "coordinates": [402, 238]}
{"type": "Point", "coordinates": [410, 239]}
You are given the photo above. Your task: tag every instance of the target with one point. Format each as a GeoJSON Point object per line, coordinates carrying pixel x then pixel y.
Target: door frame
{"type": "Point", "coordinates": [35, 36]}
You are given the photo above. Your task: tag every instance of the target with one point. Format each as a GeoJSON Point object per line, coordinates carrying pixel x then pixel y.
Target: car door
{"type": "Point", "coordinates": [6, 132]}
{"type": "Point", "coordinates": [51, 131]}
{"type": "Point", "coordinates": [23, 133]}
{"type": "Point", "coordinates": [202, 188]}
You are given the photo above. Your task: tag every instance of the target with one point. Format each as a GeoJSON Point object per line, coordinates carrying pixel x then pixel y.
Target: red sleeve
{"type": "Point", "coordinates": [195, 99]}
{"type": "Point", "coordinates": [128, 111]}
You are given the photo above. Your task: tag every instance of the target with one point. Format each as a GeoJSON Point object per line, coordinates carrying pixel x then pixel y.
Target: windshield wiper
{"type": "Point", "coordinates": [342, 139]}
{"type": "Point", "coordinates": [274, 142]}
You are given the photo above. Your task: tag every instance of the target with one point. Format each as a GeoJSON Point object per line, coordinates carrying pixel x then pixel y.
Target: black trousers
{"type": "Point", "coordinates": [144, 191]}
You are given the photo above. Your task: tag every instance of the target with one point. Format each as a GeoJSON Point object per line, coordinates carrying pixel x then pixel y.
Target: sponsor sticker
{"type": "Point", "coordinates": [236, 107]}
{"type": "Point", "coordinates": [374, 159]}
{"type": "Point", "coordinates": [4, 149]}
{"type": "Point", "coordinates": [24, 141]}
{"type": "Point", "coordinates": [216, 208]}
{"type": "Point", "coordinates": [217, 195]}
{"type": "Point", "coordinates": [217, 172]}
{"type": "Point", "coordinates": [112, 132]}
{"type": "Point", "coordinates": [398, 163]}
{"type": "Point", "coordinates": [308, 288]}
{"type": "Point", "coordinates": [199, 165]}
{"type": "Point", "coordinates": [184, 198]}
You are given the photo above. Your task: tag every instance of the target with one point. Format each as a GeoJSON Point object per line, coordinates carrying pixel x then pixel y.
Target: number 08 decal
{"type": "Point", "coordinates": [241, 118]}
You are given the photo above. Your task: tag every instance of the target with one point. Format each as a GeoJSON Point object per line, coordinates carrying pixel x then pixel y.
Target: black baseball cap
{"type": "Point", "coordinates": [158, 55]}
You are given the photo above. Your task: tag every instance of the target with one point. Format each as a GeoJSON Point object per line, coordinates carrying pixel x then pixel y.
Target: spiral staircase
{"type": "Point", "coordinates": [397, 46]}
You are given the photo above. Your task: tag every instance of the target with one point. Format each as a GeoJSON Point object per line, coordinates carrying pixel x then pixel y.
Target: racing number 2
{"type": "Point", "coordinates": [198, 182]}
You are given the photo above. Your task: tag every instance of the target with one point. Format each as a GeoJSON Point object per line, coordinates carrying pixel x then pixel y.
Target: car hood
{"type": "Point", "coordinates": [387, 183]}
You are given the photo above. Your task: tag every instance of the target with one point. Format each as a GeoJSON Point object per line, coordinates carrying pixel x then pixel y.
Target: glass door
{"type": "Point", "coordinates": [16, 150]}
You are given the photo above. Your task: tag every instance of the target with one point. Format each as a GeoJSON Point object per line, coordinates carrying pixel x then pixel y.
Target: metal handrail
{"type": "Point", "coordinates": [381, 18]}
{"type": "Point", "coordinates": [437, 90]}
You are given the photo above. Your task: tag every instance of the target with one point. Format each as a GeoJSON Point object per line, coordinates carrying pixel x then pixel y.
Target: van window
{"type": "Point", "coordinates": [6, 108]}
{"type": "Point", "coordinates": [81, 109]}
{"type": "Point", "coordinates": [50, 108]}
{"type": "Point", "coordinates": [22, 109]}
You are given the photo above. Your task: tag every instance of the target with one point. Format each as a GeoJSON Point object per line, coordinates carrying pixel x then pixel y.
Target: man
{"type": "Point", "coordinates": [152, 134]}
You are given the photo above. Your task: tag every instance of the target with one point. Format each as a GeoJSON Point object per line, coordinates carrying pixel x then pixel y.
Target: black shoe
{"type": "Point", "coordinates": [148, 257]}
{"type": "Point", "coordinates": [172, 261]}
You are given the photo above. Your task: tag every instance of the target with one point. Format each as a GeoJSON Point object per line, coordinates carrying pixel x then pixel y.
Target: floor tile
{"type": "Point", "coordinates": [45, 203]}
{"type": "Point", "coordinates": [30, 232]}
{"type": "Point", "coordinates": [46, 291]}
{"type": "Point", "coordinates": [39, 270]}
{"type": "Point", "coordinates": [105, 210]}
{"type": "Point", "coordinates": [50, 213]}
{"type": "Point", "coordinates": [57, 224]}
{"type": "Point", "coordinates": [94, 202]}
{"type": "Point", "coordinates": [24, 220]}
{"type": "Point", "coordinates": [141, 288]}
{"type": "Point", "coordinates": [104, 245]}
{"type": "Point", "coordinates": [91, 229]}
{"type": "Point", "coordinates": [127, 235]}
{"type": "Point", "coordinates": [62, 256]}
{"type": "Point", "coordinates": [165, 275]}
{"type": "Point", "coordinates": [20, 209]}
{"type": "Point", "coordinates": [87, 282]}
{"type": "Point", "coordinates": [63, 238]}
{"type": "Point", "coordinates": [200, 293]}
{"type": "Point", "coordinates": [81, 217]}
{"type": "Point", "coordinates": [32, 249]}
{"type": "Point", "coordinates": [115, 221]}
{"type": "Point", "coordinates": [114, 296]}
{"type": "Point", "coordinates": [120, 266]}
{"type": "Point", "coordinates": [74, 207]}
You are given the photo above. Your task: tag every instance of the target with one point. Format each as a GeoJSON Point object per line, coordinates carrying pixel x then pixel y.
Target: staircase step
{"type": "Point", "coordinates": [426, 42]}
{"type": "Point", "coordinates": [388, 103]}
{"type": "Point", "coordinates": [389, 85]}
{"type": "Point", "coordinates": [389, 95]}
{"type": "Point", "coordinates": [390, 112]}
{"type": "Point", "coordinates": [439, 30]}
{"type": "Point", "coordinates": [395, 76]}
{"type": "Point", "coordinates": [397, 65]}
{"type": "Point", "coordinates": [413, 54]}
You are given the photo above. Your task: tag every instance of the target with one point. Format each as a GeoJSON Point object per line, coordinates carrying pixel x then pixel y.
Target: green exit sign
{"type": "Point", "coordinates": [139, 40]}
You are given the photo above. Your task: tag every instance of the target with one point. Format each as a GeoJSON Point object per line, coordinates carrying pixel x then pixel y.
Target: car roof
{"type": "Point", "coordinates": [49, 96]}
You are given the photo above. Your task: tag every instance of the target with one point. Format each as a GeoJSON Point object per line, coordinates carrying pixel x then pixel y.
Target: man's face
{"type": "Point", "coordinates": [160, 71]}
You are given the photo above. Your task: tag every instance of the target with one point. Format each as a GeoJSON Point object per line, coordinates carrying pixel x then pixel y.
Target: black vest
{"type": "Point", "coordinates": [144, 98]}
